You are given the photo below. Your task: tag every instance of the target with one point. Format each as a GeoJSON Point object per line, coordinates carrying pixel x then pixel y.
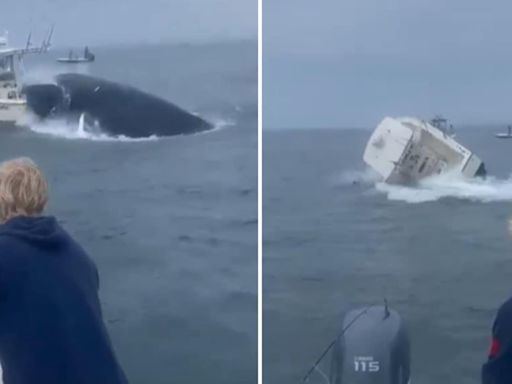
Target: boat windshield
{"type": "Point", "coordinates": [7, 71]}
{"type": "Point", "coordinates": [440, 123]}
{"type": "Point", "coordinates": [6, 64]}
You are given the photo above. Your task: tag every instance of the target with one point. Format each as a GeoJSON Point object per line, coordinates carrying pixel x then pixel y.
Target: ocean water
{"type": "Point", "coordinates": [335, 239]}
{"type": "Point", "coordinates": [171, 222]}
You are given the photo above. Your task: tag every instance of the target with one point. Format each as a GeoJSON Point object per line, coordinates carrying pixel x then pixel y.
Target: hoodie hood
{"type": "Point", "coordinates": [43, 231]}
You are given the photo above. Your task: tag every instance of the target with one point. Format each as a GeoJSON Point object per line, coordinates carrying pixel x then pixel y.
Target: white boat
{"type": "Point", "coordinates": [505, 135]}
{"type": "Point", "coordinates": [12, 103]}
{"type": "Point", "coordinates": [405, 150]}
{"type": "Point", "coordinates": [73, 59]}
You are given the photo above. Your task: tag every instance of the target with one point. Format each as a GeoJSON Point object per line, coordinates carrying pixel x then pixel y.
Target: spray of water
{"type": "Point", "coordinates": [488, 190]}
{"type": "Point", "coordinates": [65, 129]}
{"type": "Point", "coordinates": [483, 190]}
{"type": "Point", "coordinates": [219, 124]}
{"type": "Point", "coordinates": [491, 189]}
{"type": "Point", "coordinates": [78, 130]}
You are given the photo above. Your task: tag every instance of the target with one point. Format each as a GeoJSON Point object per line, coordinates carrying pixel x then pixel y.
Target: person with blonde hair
{"type": "Point", "coordinates": [51, 326]}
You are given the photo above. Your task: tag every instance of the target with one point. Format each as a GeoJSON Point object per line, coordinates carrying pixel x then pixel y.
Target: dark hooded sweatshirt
{"type": "Point", "coordinates": [498, 368]}
{"type": "Point", "coordinates": [51, 327]}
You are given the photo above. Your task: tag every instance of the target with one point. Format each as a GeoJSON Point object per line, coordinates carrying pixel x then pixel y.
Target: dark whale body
{"type": "Point", "coordinates": [117, 109]}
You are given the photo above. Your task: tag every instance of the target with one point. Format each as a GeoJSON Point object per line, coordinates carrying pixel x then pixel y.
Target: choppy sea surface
{"type": "Point", "coordinates": [336, 239]}
{"type": "Point", "coordinates": [171, 222]}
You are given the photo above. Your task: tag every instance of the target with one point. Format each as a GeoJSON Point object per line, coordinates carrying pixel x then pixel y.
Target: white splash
{"type": "Point", "coordinates": [79, 130]}
{"type": "Point", "coordinates": [75, 131]}
{"type": "Point", "coordinates": [489, 190]}
{"type": "Point", "coordinates": [46, 74]}
{"type": "Point", "coordinates": [220, 123]}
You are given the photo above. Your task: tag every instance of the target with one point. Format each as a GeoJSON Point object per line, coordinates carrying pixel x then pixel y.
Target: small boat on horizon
{"type": "Point", "coordinates": [505, 135]}
{"type": "Point", "coordinates": [88, 57]}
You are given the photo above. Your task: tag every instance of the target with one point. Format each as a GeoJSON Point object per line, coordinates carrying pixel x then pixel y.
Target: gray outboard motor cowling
{"type": "Point", "coordinates": [374, 349]}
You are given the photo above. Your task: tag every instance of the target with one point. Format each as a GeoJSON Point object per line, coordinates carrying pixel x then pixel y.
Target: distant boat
{"type": "Point", "coordinates": [507, 135]}
{"type": "Point", "coordinates": [73, 59]}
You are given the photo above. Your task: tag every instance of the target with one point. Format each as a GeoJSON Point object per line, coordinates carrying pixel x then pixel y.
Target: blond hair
{"type": "Point", "coordinates": [23, 189]}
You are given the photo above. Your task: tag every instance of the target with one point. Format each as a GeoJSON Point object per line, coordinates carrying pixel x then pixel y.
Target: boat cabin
{"type": "Point", "coordinates": [442, 124]}
{"type": "Point", "coordinates": [8, 78]}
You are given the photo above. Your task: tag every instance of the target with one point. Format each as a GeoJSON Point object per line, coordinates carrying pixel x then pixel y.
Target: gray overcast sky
{"type": "Point", "coordinates": [112, 21]}
{"type": "Point", "coordinates": [351, 62]}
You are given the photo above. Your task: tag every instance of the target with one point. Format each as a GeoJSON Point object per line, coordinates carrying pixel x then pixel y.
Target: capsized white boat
{"type": "Point", "coordinates": [405, 150]}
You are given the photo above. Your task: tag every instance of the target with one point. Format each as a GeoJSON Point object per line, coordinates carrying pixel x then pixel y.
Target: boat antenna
{"type": "Point", "coordinates": [329, 347]}
{"type": "Point", "coordinates": [29, 41]}
{"type": "Point", "coordinates": [47, 43]}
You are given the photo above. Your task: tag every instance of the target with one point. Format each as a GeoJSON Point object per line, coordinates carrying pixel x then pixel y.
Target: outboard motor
{"type": "Point", "coordinates": [373, 349]}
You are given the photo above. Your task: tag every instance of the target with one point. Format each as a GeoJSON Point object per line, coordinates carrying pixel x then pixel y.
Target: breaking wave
{"type": "Point", "coordinates": [220, 123]}
{"type": "Point", "coordinates": [66, 129]}
{"type": "Point", "coordinates": [491, 189]}
{"type": "Point", "coordinates": [448, 186]}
